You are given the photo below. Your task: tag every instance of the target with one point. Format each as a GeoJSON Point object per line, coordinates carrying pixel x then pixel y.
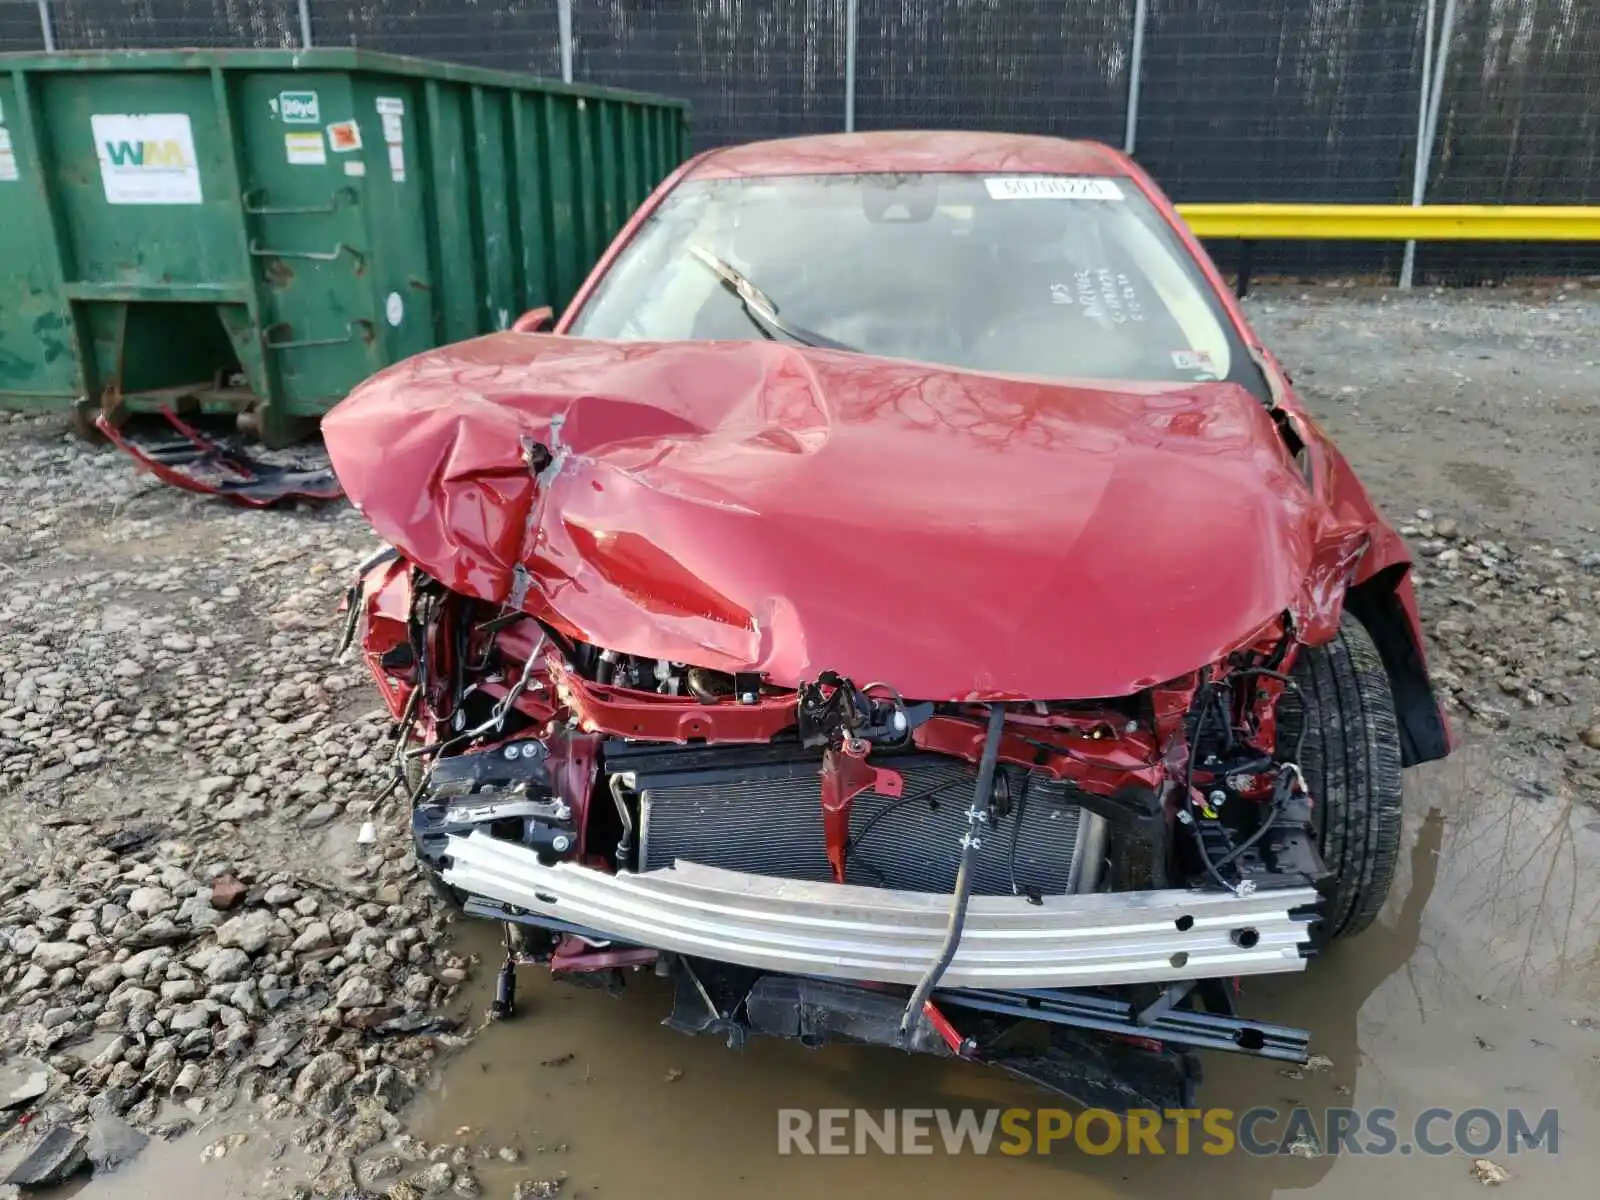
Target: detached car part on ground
{"type": "Point", "coordinates": [195, 463]}
{"type": "Point", "coordinates": [903, 604]}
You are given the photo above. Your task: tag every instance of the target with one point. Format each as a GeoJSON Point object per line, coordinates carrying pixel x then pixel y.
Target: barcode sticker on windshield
{"type": "Point", "coordinates": [1052, 187]}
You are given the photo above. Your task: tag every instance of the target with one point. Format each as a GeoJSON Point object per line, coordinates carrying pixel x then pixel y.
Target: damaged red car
{"type": "Point", "coordinates": [901, 601]}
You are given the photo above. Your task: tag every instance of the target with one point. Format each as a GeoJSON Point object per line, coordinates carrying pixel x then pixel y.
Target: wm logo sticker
{"type": "Point", "coordinates": [156, 155]}
{"type": "Point", "coordinates": [299, 108]}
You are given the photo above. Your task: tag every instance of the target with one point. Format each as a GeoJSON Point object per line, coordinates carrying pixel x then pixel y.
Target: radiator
{"type": "Point", "coordinates": [762, 813]}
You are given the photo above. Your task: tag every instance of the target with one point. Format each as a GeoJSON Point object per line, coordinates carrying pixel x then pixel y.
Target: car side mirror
{"type": "Point", "coordinates": [535, 320]}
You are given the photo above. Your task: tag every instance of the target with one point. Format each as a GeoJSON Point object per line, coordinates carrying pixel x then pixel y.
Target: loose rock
{"type": "Point", "coordinates": [58, 1156]}
{"type": "Point", "coordinates": [1488, 1172]}
{"type": "Point", "coordinates": [250, 931]}
{"type": "Point", "coordinates": [226, 892]}
{"type": "Point", "coordinates": [326, 1070]}
{"type": "Point", "coordinates": [52, 956]}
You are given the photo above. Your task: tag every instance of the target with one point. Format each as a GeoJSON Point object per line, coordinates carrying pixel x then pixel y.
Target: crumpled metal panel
{"type": "Point", "coordinates": [771, 508]}
{"type": "Point", "coordinates": [848, 932]}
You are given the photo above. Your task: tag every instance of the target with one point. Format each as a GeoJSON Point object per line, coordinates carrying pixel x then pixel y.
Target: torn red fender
{"type": "Point", "coordinates": [210, 468]}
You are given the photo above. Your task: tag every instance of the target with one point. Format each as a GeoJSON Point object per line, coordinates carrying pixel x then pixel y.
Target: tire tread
{"type": "Point", "coordinates": [1352, 766]}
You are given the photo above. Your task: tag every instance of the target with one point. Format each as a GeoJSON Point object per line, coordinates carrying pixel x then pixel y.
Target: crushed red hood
{"type": "Point", "coordinates": [755, 506]}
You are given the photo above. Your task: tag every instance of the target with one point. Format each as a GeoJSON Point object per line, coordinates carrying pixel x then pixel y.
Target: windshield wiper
{"type": "Point", "coordinates": [763, 313]}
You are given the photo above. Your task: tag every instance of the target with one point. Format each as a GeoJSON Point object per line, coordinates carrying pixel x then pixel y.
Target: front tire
{"type": "Point", "coordinates": [1351, 762]}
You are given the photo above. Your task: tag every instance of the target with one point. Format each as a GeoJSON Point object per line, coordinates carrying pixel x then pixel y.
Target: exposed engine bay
{"type": "Point", "coordinates": [633, 763]}
{"type": "Point", "coordinates": [589, 760]}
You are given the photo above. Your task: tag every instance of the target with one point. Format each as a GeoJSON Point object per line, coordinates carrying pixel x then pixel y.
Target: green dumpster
{"type": "Point", "coordinates": [258, 231]}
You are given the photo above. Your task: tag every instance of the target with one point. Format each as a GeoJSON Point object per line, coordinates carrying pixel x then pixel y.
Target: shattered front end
{"type": "Point", "coordinates": [697, 668]}
{"type": "Point", "coordinates": [839, 862]}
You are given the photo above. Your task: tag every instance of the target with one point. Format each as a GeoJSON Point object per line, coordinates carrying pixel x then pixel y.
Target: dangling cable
{"type": "Point", "coordinates": [977, 814]}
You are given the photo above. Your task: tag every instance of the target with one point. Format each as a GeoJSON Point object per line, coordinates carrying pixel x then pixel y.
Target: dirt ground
{"type": "Point", "coordinates": [1481, 404]}
{"type": "Point", "coordinates": [1474, 419]}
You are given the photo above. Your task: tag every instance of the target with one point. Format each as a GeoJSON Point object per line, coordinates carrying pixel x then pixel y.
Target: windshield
{"type": "Point", "coordinates": [1062, 276]}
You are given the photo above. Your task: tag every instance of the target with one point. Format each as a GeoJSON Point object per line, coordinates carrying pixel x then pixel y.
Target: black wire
{"type": "Point", "coordinates": [855, 840]}
{"type": "Point", "coordinates": [1266, 825]}
{"type": "Point", "coordinates": [1016, 833]}
{"type": "Point", "coordinates": [883, 880]}
{"type": "Point", "coordinates": [1201, 714]}
{"type": "Point", "coordinates": [1293, 685]}
{"type": "Point", "coordinates": [462, 632]}
{"type": "Point", "coordinates": [1202, 711]}
{"type": "Point", "coordinates": [1266, 671]}
{"type": "Point", "coordinates": [1214, 868]}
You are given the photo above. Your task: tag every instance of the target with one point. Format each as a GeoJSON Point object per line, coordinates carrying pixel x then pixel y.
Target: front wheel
{"type": "Point", "coordinates": [1351, 761]}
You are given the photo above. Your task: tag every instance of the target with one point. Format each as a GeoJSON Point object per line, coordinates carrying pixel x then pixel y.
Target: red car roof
{"type": "Point", "coordinates": [891, 151]}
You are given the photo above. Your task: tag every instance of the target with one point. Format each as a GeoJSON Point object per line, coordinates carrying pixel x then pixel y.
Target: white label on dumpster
{"type": "Point", "coordinates": [393, 130]}
{"type": "Point", "coordinates": [146, 158]}
{"type": "Point", "coordinates": [391, 104]}
{"type": "Point", "coordinates": [299, 108]}
{"type": "Point", "coordinates": [305, 149]}
{"type": "Point", "coordinates": [394, 309]}
{"type": "Point", "coordinates": [8, 165]}
{"type": "Point", "coordinates": [397, 162]}
{"type": "Point", "coordinates": [1052, 187]}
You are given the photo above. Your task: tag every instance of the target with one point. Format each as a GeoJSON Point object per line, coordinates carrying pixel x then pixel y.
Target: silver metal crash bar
{"type": "Point", "coordinates": [848, 932]}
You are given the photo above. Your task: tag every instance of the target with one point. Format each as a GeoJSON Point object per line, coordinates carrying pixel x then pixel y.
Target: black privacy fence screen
{"type": "Point", "coordinates": [1312, 101]}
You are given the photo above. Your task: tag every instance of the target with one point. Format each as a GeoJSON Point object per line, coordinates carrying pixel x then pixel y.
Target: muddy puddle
{"type": "Point", "coordinates": [1479, 988]}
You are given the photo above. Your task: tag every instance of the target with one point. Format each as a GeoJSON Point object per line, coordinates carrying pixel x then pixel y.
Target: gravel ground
{"type": "Point", "coordinates": [207, 906]}
{"type": "Point", "coordinates": [1474, 420]}
{"type": "Point", "coordinates": [193, 909]}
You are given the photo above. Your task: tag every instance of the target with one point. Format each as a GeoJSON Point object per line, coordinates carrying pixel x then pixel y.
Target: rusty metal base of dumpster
{"type": "Point", "coordinates": [195, 463]}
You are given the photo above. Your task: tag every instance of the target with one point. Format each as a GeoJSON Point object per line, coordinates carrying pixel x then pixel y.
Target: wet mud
{"type": "Point", "coordinates": [1477, 988]}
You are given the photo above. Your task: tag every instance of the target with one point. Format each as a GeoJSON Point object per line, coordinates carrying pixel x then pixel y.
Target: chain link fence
{"type": "Point", "coordinates": [508, 35]}
{"type": "Point", "coordinates": [751, 68]}
{"type": "Point", "coordinates": [21, 29]}
{"type": "Point", "coordinates": [1027, 66]}
{"type": "Point", "coordinates": [168, 24]}
{"type": "Point", "coordinates": [1223, 100]}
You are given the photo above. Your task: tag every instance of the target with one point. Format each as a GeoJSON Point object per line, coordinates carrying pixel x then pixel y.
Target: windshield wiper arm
{"type": "Point", "coordinates": [763, 313]}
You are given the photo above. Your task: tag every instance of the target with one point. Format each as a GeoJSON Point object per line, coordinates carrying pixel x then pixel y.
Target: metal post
{"type": "Point", "coordinates": [1419, 169]}
{"type": "Point", "coordinates": [1135, 75]}
{"type": "Point", "coordinates": [46, 27]}
{"type": "Point", "coordinates": [564, 25]}
{"type": "Point", "coordinates": [850, 66]}
{"type": "Point", "coordinates": [1428, 120]}
{"type": "Point", "coordinates": [305, 24]}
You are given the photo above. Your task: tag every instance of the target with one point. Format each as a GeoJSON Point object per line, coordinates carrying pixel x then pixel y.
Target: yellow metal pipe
{"type": "Point", "coordinates": [1393, 222]}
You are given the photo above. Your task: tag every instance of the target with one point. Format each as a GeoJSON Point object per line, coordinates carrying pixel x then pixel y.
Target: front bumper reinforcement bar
{"type": "Point", "coordinates": [843, 931]}
{"type": "Point", "coordinates": [1105, 1014]}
